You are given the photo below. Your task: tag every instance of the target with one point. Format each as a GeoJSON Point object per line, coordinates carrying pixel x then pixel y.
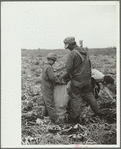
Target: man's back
{"type": "Point", "coordinates": [78, 67]}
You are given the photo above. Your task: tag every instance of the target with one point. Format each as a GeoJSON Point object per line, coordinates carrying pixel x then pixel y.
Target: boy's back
{"type": "Point", "coordinates": [97, 75]}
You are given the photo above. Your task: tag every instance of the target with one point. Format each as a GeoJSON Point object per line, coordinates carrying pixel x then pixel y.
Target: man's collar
{"type": "Point", "coordinates": [74, 46]}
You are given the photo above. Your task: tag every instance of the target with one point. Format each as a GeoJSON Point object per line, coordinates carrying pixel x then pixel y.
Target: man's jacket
{"type": "Point", "coordinates": [48, 77]}
{"type": "Point", "coordinates": [79, 69]}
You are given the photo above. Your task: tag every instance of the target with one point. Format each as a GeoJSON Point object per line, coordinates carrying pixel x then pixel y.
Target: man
{"type": "Point", "coordinates": [47, 86]}
{"type": "Point", "coordinates": [78, 68]}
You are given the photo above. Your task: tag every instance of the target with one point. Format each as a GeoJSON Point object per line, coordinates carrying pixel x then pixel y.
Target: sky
{"type": "Point", "coordinates": [47, 24]}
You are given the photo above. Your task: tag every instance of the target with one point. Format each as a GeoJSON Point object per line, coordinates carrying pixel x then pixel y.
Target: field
{"type": "Point", "coordinates": [37, 130]}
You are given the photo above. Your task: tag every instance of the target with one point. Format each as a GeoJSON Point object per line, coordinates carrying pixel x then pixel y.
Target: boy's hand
{"type": "Point", "coordinates": [61, 76]}
{"type": "Point", "coordinates": [63, 82]}
{"type": "Point", "coordinates": [58, 81]}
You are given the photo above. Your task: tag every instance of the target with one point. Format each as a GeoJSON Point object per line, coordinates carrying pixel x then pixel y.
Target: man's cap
{"type": "Point", "coordinates": [68, 40]}
{"type": "Point", "coordinates": [52, 56]}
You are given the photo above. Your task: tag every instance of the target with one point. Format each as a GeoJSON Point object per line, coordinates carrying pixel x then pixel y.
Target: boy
{"type": "Point", "coordinates": [47, 85]}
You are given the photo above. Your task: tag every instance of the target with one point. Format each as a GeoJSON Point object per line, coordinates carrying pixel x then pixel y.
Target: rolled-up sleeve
{"type": "Point", "coordinates": [69, 66]}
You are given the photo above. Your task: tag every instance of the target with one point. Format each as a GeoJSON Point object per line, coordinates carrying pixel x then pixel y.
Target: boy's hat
{"type": "Point", "coordinates": [68, 40]}
{"type": "Point", "coordinates": [52, 56]}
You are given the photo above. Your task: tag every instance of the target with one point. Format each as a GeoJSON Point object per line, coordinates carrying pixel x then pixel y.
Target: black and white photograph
{"type": "Point", "coordinates": [62, 74]}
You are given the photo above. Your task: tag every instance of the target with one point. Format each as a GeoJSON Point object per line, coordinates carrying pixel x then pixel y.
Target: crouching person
{"type": "Point", "coordinates": [47, 86]}
{"type": "Point", "coordinates": [99, 82]}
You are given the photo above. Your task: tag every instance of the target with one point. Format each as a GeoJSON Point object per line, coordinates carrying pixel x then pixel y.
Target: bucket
{"type": "Point", "coordinates": [61, 100]}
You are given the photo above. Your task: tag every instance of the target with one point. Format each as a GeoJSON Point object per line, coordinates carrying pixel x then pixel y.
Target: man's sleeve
{"type": "Point", "coordinates": [51, 74]}
{"type": "Point", "coordinates": [69, 63]}
{"type": "Point", "coordinates": [69, 66]}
